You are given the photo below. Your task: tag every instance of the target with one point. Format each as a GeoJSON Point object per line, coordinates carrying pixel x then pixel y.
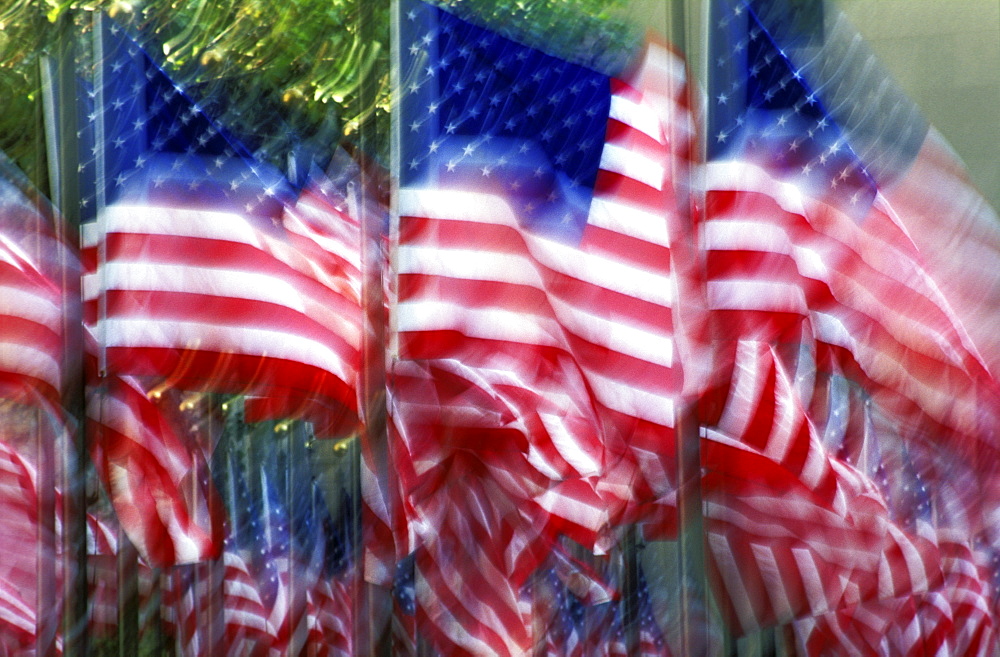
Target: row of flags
{"type": "Point", "coordinates": [574, 292]}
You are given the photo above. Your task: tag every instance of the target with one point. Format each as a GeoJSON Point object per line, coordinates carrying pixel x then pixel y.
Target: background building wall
{"type": "Point", "coordinates": [946, 56]}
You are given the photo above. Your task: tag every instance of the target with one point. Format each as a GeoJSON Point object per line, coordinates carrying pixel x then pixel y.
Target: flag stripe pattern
{"type": "Point", "coordinates": [840, 356]}
{"type": "Point", "coordinates": [535, 340]}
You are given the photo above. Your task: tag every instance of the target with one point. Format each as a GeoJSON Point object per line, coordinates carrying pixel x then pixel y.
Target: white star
{"type": "Point", "coordinates": [469, 149]}
{"type": "Point", "coordinates": [486, 171]}
{"type": "Point", "coordinates": [434, 146]}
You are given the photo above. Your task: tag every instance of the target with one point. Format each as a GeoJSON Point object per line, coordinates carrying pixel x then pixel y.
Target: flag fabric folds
{"type": "Point", "coordinates": [206, 274]}
{"type": "Point", "coordinates": [587, 271]}
{"type": "Point", "coordinates": [875, 392]}
{"type": "Point", "coordinates": [533, 375]}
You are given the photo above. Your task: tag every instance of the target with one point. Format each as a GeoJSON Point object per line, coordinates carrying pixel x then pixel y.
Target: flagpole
{"type": "Point", "coordinates": [59, 94]}
{"type": "Point", "coordinates": [691, 538]}
{"type": "Point", "coordinates": [376, 602]}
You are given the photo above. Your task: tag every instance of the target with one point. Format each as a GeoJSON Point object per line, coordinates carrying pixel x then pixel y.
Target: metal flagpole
{"type": "Point", "coordinates": [67, 470]}
{"type": "Point", "coordinates": [692, 601]}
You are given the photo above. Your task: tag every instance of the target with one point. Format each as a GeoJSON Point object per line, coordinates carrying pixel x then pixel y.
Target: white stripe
{"type": "Point", "coordinates": [484, 265]}
{"type": "Point", "coordinates": [770, 571]}
{"type": "Point", "coordinates": [631, 164]}
{"type": "Point", "coordinates": [266, 343]}
{"type": "Point", "coordinates": [745, 393]}
{"type": "Point", "coordinates": [650, 406]}
{"type": "Point", "coordinates": [636, 115]}
{"type": "Point", "coordinates": [27, 303]}
{"type": "Point", "coordinates": [180, 222]}
{"type": "Point", "coordinates": [485, 323]}
{"type": "Point", "coordinates": [568, 446]}
{"type": "Point", "coordinates": [638, 221]}
{"type": "Point", "coordinates": [469, 264]}
{"type": "Point", "coordinates": [914, 562]}
{"type": "Point", "coordinates": [29, 361]}
{"type": "Point", "coordinates": [752, 294]}
{"type": "Point", "coordinates": [811, 580]}
{"type": "Point", "coordinates": [610, 274]}
{"type": "Point", "coordinates": [612, 333]}
{"type": "Point", "coordinates": [568, 507]}
{"type": "Point", "coordinates": [732, 578]}
{"type": "Point", "coordinates": [225, 283]}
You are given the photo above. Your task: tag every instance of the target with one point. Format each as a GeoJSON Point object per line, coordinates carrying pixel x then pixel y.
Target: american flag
{"type": "Point", "coordinates": [146, 451]}
{"type": "Point", "coordinates": [208, 274]}
{"type": "Point", "coordinates": [791, 530]}
{"type": "Point", "coordinates": [19, 608]}
{"type": "Point", "coordinates": [219, 605]}
{"type": "Point", "coordinates": [36, 270]}
{"type": "Point", "coordinates": [33, 302]}
{"type": "Point", "coordinates": [205, 273]}
{"type": "Point", "coordinates": [811, 263]}
{"type": "Point", "coordinates": [533, 316]}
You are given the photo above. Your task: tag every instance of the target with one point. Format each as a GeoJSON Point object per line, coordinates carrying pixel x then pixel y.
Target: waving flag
{"type": "Point", "coordinates": [205, 273]}
{"type": "Point", "coordinates": [813, 250]}
{"type": "Point", "coordinates": [202, 282]}
{"type": "Point", "coordinates": [534, 378]}
{"type": "Point", "coordinates": [33, 301]}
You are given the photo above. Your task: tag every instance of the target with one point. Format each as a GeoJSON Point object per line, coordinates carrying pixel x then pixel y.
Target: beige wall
{"type": "Point", "coordinates": [946, 55]}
